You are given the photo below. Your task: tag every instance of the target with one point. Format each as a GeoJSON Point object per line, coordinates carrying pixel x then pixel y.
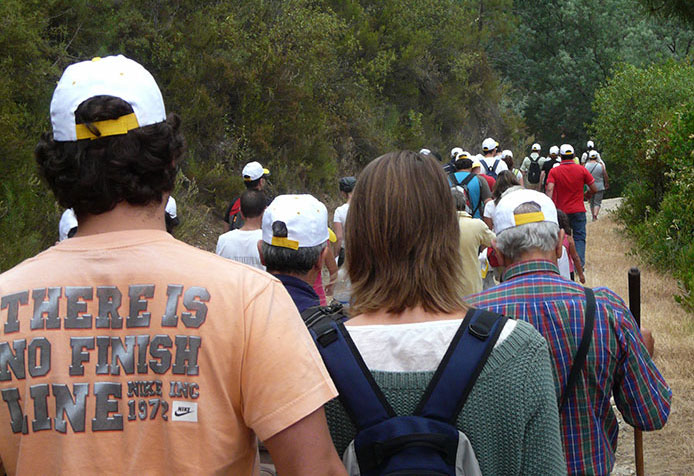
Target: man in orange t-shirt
{"type": "Point", "coordinates": [125, 351]}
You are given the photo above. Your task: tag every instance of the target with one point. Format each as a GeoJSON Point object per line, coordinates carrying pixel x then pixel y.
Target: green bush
{"type": "Point", "coordinates": [658, 207]}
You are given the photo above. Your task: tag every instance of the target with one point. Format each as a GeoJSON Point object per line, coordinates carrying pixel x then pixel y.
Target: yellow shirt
{"type": "Point", "coordinates": [473, 234]}
{"type": "Point", "coordinates": [134, 353]}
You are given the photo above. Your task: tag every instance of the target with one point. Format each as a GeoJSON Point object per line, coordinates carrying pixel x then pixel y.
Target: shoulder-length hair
{"type": "Point", "coordinates": [402, 236]}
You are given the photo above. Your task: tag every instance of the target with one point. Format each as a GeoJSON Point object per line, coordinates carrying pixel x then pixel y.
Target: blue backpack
{"type": "Point", "coordinates": [491, 171]}
{"type": "Point", "coordinates": [428, 442]}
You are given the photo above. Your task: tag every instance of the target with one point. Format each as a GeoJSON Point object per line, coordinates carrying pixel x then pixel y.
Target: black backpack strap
{"type": "Point", "coordinates": [461, 365]}
{"type": "Point", "coordinates": [453, 178]}
{"type": "Point", "coordinates": [496, 163]}
{"type": "Point", "coordinates": [486, 167]}
{"type": "Point", "coordinates": [580, 358]}
{"type": "Point", "coordinates": [467, 179]}
{"type": "Point", "coordinates": [360, 395]}
{"type": "Point", "coordinates": [334, 311]}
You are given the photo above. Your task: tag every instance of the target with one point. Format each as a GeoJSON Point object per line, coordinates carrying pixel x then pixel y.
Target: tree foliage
{"type": "Point", "coordinates": [565, 49]}
{"type": "Point", "coordinates": [309, 88]}
{"type": "Point", "coordinates": [645, 120]}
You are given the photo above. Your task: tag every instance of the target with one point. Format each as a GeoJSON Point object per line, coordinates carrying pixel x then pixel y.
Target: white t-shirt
{"type": "Point", "coordinates": [489, 209]}
{"type": "Point", "coordinates": [500, 167]}
{"type": "Point", "coordinates": [564, 265]}
{"type": "Point", "coordinates": [341, 214]}
{"type": "Point", "coordinates": [241, 246]}
{"type": "Point", "coordinates": [415, 347]}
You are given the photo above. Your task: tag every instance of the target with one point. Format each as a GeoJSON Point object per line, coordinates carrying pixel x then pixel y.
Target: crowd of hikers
{"type": "Point", "coordinates": [461, 343]}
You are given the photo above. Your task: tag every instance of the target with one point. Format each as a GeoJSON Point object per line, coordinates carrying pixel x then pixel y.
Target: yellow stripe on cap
{"type": "Point", "coordinates": [331, 236]}
{"type": "Point", "coordinates": [285, 243]}
{"type": "Point", "coordinates": [525, 218]}
{"type": "Point", "coordinates": [109, 127]}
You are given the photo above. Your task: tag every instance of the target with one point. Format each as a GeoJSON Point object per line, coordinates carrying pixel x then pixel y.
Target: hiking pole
{"type": "Point", "coordinates": [635, 308]}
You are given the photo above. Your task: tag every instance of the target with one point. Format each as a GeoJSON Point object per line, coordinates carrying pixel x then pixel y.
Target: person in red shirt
{"type": "Point", "coordinates": [565, 187]}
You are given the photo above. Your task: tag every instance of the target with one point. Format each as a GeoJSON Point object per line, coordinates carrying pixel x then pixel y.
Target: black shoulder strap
{"type": "Point", "coordinates": [496, 163]}
{"type": "Point", "coordinates": [454, 179]}
{"type": "Point", "coordinates": [461, 365]}
{"type": "Point", "coordinates": [467, 179]}
{"type": "Point", "coordinates": [484, 164]}
{"type": "Point", "coordinates": [360, 395]}
{"type": "Point", "coordinates": [580, 358]}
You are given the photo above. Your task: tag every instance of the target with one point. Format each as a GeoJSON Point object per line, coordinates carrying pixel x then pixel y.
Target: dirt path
{"type": "Point", "coordinates": [669, 451]}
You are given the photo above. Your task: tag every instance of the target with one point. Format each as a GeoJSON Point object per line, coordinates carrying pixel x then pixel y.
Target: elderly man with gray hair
{"type": "Point", "coordinates": [294, 245]}
{"type": "Point", "coordinates": [617, 363]}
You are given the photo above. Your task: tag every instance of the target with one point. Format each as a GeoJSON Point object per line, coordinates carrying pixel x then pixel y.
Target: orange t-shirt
{"type": "Point", "coordinates": [134, 353]}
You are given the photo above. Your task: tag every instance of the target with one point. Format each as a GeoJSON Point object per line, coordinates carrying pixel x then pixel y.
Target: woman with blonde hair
{"type": "Point", "coordinates": [404, 264]}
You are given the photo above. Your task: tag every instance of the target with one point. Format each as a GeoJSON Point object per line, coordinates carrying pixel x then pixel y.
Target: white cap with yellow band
{"type": "Point", "coordinates": [115, 76]}
{"type": "Point", "coordinates": [505, 215]}
{"type": "Point", "coordinates": [305, 219]}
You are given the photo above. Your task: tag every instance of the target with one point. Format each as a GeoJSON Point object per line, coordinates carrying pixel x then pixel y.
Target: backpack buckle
{"type": "Point", "coordinates": [480, 329]}
{"type": "Point", "coordinates": [326, 331]}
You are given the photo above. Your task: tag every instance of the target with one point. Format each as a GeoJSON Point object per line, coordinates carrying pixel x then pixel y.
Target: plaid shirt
{"type": "Point", "coordinates": [617, 361]}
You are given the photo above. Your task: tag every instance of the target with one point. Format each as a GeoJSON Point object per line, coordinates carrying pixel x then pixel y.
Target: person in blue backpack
{"type": "Point", "coordinates": [427, 384]}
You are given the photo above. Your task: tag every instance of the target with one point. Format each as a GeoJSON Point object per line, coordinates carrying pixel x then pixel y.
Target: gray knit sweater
{"type": "Point", "coordinates": [510, 416]}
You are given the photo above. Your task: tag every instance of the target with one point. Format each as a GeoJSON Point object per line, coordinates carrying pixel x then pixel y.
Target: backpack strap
{"type": "Point", "coordinates": [496, 163]}
{"type": "Point", "coordinates": [453, 178]}
{"type": "Point", "coordinates": [486, 167]}
{"type": "Point", "coordinates": [580, 358]}
{"type": "Point", "coordinates": [461, 365]}
{"type": "Point", "coordinates": [467, 179]}
{"type": "Point", "coordinates": [360, 395]}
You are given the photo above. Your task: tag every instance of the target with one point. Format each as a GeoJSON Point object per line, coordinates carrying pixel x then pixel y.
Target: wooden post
{"type": "Point", "coordinates": [635, 307]}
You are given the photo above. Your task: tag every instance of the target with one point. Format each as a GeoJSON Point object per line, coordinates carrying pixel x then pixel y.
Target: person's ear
{"type": "Point", "coordinates": [260, 252]}
{"type": "Point", "coordinates": [560, 243]}
{"type": "Point", "coordinates": [503, 261]}
{"type": "Point", "coordinates": [322, 257]}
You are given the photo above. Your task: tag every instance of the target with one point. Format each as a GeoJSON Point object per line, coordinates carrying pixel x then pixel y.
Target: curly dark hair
{"type": "Point", "coordinates": [93, 176]}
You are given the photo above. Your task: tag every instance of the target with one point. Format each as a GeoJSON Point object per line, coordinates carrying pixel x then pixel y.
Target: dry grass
{"type": "Point", "coordinates": [669, 451]}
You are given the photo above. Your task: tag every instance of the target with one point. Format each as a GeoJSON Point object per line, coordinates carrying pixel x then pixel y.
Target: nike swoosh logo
{"type": "Point", "coordinates": [182, 412]}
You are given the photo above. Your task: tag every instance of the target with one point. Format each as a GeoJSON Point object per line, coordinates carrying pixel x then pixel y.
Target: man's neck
{"type": "Point", "coordinates": [535, 255]}
{"type": "Point", "coordinates": [251, 224]}
{"type": "Point", "coordinates": [309, 277]}
{"type": "Point", "coordinates": [124, 217]}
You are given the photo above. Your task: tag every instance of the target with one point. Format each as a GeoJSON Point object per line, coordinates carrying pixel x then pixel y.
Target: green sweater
{"type": "Point", "coordinates": [510, 417]}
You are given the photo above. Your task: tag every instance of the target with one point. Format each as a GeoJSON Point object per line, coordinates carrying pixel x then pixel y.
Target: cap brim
{"type": "Point", "coordinates": [331, 236]}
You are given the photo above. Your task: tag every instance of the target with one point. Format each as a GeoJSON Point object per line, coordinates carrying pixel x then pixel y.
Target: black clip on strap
{"type": "Point", "coordinates": [580, 358]}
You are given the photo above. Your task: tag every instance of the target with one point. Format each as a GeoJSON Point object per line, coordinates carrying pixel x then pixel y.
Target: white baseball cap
{"type": "Point", "coordinates": [554, 150]}
{"type": "Point", "coordinates": [489, 144]}
{"type": "Point", "coordinates": [593, 154]}
{"type": "Point", "coordinates": [566, 149]}
{"type": "Point", "coordinates": [253, 171]}
{"type": "Point", "coordinates": [170, 208]}
{"type": "Point", "coordinates": [505, 216]}
{"type": "Point", "coordinates": [507, 153]}
{"type": "Point", "coordinates": [590, 144]}
{"type": "Point", "coordinates": [455, 152]}
{"type": "Point", "coordinates": [536, 147]}
{"type": "Point", "coordinates": [115, 76]}
{"type": "Point", "coordinates": [424, 151]}
{"type": "Point", "coordinates": [306, 220]}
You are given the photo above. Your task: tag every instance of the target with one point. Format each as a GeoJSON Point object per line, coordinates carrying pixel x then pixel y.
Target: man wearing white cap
{"type": "Point", "coordinates": [617, 363]}
{"type": "Point", "coordinates": [565, 186]}
{"type": "Point", "coordinates": [590, 146]}
{"type": "Point", "coordinates": [532, 168]}
{"type": "Point", "coordinates": [254, 178]}
{"type": "Point", "coordinates": [550, 162]}
{"type": "Point", "coordinates": [144, 354]}
{"type": "Point", "coordinates": [295, 245]}
{"type": "Point", "coordinates": [490, 160]}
